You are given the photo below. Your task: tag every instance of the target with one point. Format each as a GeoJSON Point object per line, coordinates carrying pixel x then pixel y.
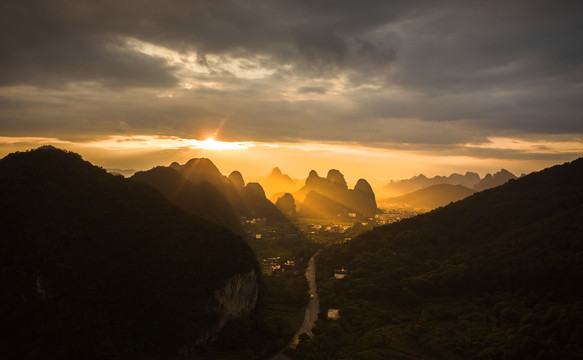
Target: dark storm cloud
{"type": "Point", "coordinates": [406, 69]}
{"type": "Point", "coordinates": [312, 89]}
{"type": "Point", "coordinates": [45, 42]}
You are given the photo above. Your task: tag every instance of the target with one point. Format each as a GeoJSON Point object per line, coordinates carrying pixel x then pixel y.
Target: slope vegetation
{"type": "Point", "coordinates": [495, 276]}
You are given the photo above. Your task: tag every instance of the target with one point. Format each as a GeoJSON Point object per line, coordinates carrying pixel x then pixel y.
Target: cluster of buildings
{"type": "Point", "coordinates": [394, 215]}
{"type": "Point", "coordinates": [332, 228]}
{"type": "Point", "coordinates": [273, 264]}
{"type": "Point", "coordinates": [257, 221]}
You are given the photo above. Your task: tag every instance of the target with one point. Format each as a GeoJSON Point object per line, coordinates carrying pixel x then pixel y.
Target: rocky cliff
{"type": "Point", "coordinates": [239, 294]}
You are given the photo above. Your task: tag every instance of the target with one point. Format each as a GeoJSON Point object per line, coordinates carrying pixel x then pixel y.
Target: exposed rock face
{"type": "Point", "coordinates": [287, 205]}
{"type": "Point", "coordinates": [239, 293]}
{"type": "Point", "coordinates": [237, 180]}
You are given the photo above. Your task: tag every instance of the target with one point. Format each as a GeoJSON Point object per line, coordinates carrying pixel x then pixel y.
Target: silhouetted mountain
{"type": "Point", "coordinates": [199, 170]}
{"type": "Point", "coordinates": [469, 180]}
{"type": "Point", "coordinates": [336, 178]}
{"type": "Point", "coordinates": [201, 199]}
{"type": "Point", "coordinates": [494, 276]}
{"type": "Point", "coordinates": [95, 265]}
{"type": "Point", "coordinates": [361, 199]}
{"type": "Point", "coordinates": [431, 197]}
{"type": "Point", "coordinates": [286, 205]}
{"type": "Point", "coordinates": [489, 181]}
{"type": "Point", "coordinates": [255, 200]}
{"type": "Point", "coordinates": [318, 205]}
{"type": "Point", "coordinates": [237, 180]}
{"type": "Point", "coordinates": [277, 182]}
{"type": "Point", "coordinates": [247, 200]}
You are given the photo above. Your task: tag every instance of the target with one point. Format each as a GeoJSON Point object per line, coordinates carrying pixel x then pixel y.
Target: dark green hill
{"type": "Point", "coordinates": [432, 197]}
{"type": "Point", "coordinates": [494, 276]}
{"type": "Point", "coordinates": [202, 199]}
{"type": "Point", "coordinates": [92, 264]}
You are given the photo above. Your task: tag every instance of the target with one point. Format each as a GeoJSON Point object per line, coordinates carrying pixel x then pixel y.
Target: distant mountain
{"type": "Point", "coordinates": [277, 182]}
{"type": "Point", "coordinates": [489, 181]}
{"type": "Point", "coordinates": [318, 205]}
{"type": "Point", "coordinates": [469, 180]}
{"type": "Point", "coordinates": [237, 180]}
{"type": "Point", "coordinates": [254, 197]}
{"type": "Point", "coordinates": [201, 199]}
{"type": "Point", "coordinates": [361, 199]}
{"type": "Point", "coordinates": [122, 172]}
{"type": "Point", "coordinates": [286, 204]}
{"type": "Point", "coordinates": [494, 276]}
{"type": "Point", "coordinates": [95, 265]}
{"type": "Point", "coordinates": [431, 197]}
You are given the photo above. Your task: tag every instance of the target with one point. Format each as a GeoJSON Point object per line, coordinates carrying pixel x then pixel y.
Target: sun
{"type": "Point", "coordinates": [211, 144]}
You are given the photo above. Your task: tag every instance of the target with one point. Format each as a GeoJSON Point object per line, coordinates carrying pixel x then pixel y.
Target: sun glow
{"type": "Point", "coordinates": [212, 144]}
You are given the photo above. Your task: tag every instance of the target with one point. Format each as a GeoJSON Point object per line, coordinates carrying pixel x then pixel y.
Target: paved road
{"type": "Point", "coordinates": [312, 309]}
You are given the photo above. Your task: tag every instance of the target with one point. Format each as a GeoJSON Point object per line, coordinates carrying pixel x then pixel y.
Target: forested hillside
{"type": "Point", "coordinates": [495, 276]}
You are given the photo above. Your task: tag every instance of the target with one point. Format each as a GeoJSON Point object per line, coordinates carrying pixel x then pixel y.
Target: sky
{"type": "Point", "coordinates": [378, 89]}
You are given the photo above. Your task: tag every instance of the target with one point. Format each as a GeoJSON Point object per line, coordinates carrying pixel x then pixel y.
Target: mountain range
{"type": "Point", "coordinates": [494, 276]}
{"type": "Point", "coordinates": [199, 187]}
{"type": "Point", "coordinates": [470, 180]}
{"type": "Point", "coordinates": [96, 265]}
{"type": "Point", "coordinates": [330, 196]}
{"type": "Point", "coordinates": [430, 197]}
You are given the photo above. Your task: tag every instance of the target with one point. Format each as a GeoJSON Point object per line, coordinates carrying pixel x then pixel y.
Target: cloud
{"type": "Point", "coordinates": [417, 72]}
{"type": "Point", "coordinates": [312, 90]}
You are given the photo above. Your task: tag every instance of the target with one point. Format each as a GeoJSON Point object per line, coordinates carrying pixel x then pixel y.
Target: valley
{"type": "Point", "coordinates": [402, 282]}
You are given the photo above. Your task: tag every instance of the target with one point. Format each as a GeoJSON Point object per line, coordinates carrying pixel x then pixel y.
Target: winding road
{"type": "Point", "coordinates": [312, 309]}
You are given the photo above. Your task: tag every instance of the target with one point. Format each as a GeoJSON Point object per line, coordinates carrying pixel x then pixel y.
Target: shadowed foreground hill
{"type": "Point", "coordinates": [494, 276]}
{"type": "Point", "coordinates": [94, 265]}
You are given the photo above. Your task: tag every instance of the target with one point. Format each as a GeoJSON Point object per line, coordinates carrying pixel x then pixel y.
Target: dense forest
{"type": "Point", "coordinates": [495, 276]}
{"type": "Point", "coordinates": [93, 265]}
